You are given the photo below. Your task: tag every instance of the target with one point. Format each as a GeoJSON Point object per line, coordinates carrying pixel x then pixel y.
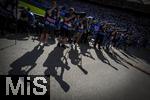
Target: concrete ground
{"type": "Point", "coordinates": [84, 73]}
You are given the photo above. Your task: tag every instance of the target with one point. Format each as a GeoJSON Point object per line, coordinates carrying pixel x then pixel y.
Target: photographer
{"type": "Point", "coordinates": [66, 28]}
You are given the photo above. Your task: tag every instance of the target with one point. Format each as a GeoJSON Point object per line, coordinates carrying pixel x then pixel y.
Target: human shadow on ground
{"type": "Point", "coordinates": [56, 60]}
{"type": "Point", "coordinates": [115, 57]}
{"type": "Point", "coordinates": [24, 64]}
{"type": "Point", "coordinates": [138, 53]}
{"type": "Point", "coordinates": [122, 60]}
{"type": "Point", "coordinates": [76, 58]}
{"type": "Point", "coordinates": [85, 50]}
{"type": "Point", "coordinates": [101, 56]}
{"type": "Point", "coordinates": [129, 56]}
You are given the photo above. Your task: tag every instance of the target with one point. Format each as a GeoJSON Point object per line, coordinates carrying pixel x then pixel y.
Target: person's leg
{"type": "Point", "coordinates": [64, 38]}
{"type": "Point", "coordinates": [86, 37]}
{"type": "Point", "coordinates": [46, 38]}
{"type": "Point", "coordinates": [107, 44]}
{"type": "Point", "coordinates": [61, 37]}
{"type": "Point", "coordinates": [59, 41]}
{"type": "Point", "coordinates": [46, 33]}
{"type": "Point", "coordinates": [74, 37]}
{"type": "Point", "coordinates": [42, 37]}
{"type": "Point", "coordinates": [96, 41]}
{"type": "Point", "coordinates": [64, 41]}
{"type": "Point", "coordinates": [100, 40]}
{"type": "Point", "coordinates": [78, 37]}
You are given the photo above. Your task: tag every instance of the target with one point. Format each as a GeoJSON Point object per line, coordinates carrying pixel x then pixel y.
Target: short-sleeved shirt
{"type": "Point", "coordinates": [67, 24]}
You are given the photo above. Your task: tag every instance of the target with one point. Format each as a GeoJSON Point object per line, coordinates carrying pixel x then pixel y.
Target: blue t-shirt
{"type": "Point", "coordinates": [98, 29]}
{"type": "Point", "coordinates": [62, 13]}
{"type": "Point", "coordinates": [67, 25]}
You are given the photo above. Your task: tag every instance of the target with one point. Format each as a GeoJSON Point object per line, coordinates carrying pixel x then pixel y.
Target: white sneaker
{"type": "Point", "coordinates": [41, 44]}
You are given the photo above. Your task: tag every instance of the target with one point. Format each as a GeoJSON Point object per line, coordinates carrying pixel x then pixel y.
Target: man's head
{"type": "Point", "coordinates": [71, 10]}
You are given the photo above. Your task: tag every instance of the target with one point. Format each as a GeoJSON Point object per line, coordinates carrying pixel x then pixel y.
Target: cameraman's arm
{"type": "Point", "coordinates": [70, 18]}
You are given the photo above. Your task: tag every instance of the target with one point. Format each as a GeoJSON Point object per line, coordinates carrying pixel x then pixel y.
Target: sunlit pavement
{"type": "Point", "coordinates": [85, 73]}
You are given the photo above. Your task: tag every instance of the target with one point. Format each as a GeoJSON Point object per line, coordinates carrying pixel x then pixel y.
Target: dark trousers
{"type": "Point", "coordinates": [98, 40]}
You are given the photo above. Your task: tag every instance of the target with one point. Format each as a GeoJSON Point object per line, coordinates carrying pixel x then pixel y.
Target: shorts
{"type": "Point", "coordinates": [80, 31]}
{"type": "Point", "coordinates": [49, 27]}
{"type": "Point", "coordinates": [66, 33]}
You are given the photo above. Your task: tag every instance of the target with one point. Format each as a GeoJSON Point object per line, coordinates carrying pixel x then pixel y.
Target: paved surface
{"type": "Point", "coordinates": [85, 73]}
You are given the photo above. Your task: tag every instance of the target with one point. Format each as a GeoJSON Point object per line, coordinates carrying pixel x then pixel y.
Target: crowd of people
{"type": "Point", "coordinates": [7, 16]}
{"type": "Point", "coordinates": [74, 24]}
{"type": "Point", "coordinates": [74, 27]}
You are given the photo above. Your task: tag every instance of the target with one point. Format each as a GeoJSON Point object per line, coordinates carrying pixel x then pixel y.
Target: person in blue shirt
{"type": "Point", "coordinates": [86, 31]}
{"type": "Point", "coordinates": [107, 38]}
{"type": "Point", "coordinates": [99, 34]}
{"type": "Point", "coordinates": [79, 29]}
{"type": "Point", "coordinates": [66, 28]}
